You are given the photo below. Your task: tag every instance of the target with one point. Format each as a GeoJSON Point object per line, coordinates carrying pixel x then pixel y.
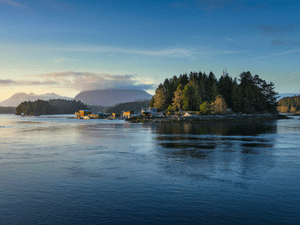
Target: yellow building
{"type": "Point", "coordinates": [128, 114]}
{"type": "Point", "coordinates": [83, 113]}
{"type": "Point", "coordinates": [115, 115]}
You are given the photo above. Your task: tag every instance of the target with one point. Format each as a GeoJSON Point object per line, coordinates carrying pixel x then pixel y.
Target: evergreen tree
{"type": "Point", "coordinates": [236, 97]}
{"type": "Point", "coordinates": [177, 100]}
{"type": "Point", "coordinates": [225, 88]}
{"type": "Point", "coordinates": [160, 99]}
{"type": "Point", "coordinates": [188, 97]}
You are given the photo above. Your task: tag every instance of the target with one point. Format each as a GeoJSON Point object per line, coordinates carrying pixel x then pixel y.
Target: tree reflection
{"type": "Point", "coordinates": [220, 151]}
{"type": "Point", "coordinates": [200, 139]}
{"type": "Point", "coordinates": [218, 128]}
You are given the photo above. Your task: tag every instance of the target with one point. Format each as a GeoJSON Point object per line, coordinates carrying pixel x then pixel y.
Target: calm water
{"type": "Point", "coordinates": [55, 170]}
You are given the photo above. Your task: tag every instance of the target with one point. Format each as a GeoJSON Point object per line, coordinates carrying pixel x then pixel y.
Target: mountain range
{"type": "Point", "coordinates": [111, 97]}
{"type": "Point", "coordinates": [17, 98]}
{"type": "Point", "coordinates": [108, 97]}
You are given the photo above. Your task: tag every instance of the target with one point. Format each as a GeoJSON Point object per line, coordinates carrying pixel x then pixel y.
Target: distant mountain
{"type": "Point", "coordinates": [110, 97]}
{"type": "Point", "coordinates": [17, 98]}
{"type": "Point", "coordinates": [129, 106]}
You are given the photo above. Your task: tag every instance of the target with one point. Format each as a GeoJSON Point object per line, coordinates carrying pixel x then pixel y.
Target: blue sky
{"type": "Point", "coordinates": [67, 46]}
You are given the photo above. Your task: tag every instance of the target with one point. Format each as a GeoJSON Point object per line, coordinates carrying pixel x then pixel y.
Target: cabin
{"type": "Point", "coordinates": [98, 115]}
{"type": "Point", "coordinates": [128, 114]}
{"type": "Point", "coordinates": [115, 115]}
{"type": "Point", "coordinates": [149, 111]}
{"type": "Point", "coordinates": [83, 113]}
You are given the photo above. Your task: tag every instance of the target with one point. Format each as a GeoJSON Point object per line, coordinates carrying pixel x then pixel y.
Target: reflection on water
{"type": "Point", "coordinates": [219, 128]}
{"type": "Point", "coordinates": [190, 140]}
{"type": "Point", "coordinates": [63, 171]}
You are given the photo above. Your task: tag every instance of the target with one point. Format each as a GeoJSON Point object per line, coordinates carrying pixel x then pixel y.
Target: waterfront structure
{"type": "Point", "coordinates": [83, 113]}
{"type": "Point", "coordinates": [149, 111]}
{"type": "Point", "coordinates": [87, 114]}
{"type": "Point", "coordinates": [115, 115]}
{"type": "Point", "coordinates": [128, 114]}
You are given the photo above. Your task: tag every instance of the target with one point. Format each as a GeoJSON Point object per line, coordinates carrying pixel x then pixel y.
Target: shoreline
{"type": "Point", "coordinates": [206, 118]}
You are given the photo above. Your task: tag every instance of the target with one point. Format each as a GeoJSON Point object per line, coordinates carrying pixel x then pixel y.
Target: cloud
{"type": "Point", "coordinates": [272, 29]}
{"type": "Point", "coordinates": [10, 82]}
{"type": "Point", "coordinates": [93, 81]}
{"type": "Point", "coordinates": [13, 3]}
{"type": "Point", "coordinates": [6, 82]}
{"type": "Point", "coordinates": [172, 52]}
{"type": "Point", "coordinates": [280, 53]}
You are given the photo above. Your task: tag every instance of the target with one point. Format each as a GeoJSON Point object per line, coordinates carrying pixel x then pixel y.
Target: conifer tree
{"type": "Point", "coordinates": [177, 100]}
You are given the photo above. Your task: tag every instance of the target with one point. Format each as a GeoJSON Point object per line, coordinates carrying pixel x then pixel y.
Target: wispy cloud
{"type": "Point", "coordinates": [6, 82]}
{"type": "Point", "coordinates": [10, 82]}
{"type": "Point", "coordinates": [171, 52]}
{"type": "Point", "coordinates": [93, 81]}
{"type": "Point", "coordinates": [280, 53]}
{"type": "Point", "coordinates": [13, 3]}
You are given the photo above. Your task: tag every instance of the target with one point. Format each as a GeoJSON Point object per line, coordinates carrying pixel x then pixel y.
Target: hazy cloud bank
{"type": "Point", "coordinates": [10, 82]}
{"type": "Point", "coordinates": [82, 81]}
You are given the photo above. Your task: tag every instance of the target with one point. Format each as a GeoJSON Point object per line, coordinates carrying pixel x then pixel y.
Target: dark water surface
{"type": "Point", "coordinates": [55, 170]}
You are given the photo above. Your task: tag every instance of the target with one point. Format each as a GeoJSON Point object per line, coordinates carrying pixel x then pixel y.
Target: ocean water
{"type": "Point", "coordinates": [55, 170]}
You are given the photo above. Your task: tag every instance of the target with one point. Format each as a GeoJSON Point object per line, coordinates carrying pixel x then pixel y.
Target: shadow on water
{"type": "Point", "coordinates": [199, 140]}
{"type": "Point", "coordinates": [219, 128]}
{"type": "Point", "coordinates": [219, 152]}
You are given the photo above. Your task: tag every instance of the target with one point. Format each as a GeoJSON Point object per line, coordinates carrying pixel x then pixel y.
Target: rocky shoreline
{"type": "Point", "coordinates": [205, 118]}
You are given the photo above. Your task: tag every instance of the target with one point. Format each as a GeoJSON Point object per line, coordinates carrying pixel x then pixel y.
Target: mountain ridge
{"type": "Point", "coordinates": [19, 97]}
{"type": "Point", "coordinates": [111, 97]}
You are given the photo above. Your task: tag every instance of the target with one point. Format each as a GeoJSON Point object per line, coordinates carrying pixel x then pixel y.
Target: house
{"type": "Point", "coordinates": [98, 115]}
{"type": "Point", "coordinates": [149, 111]}
{"type": "Point", "coordinates": [83, 113]}
{"type": "Point", "coordinates": [115, 115]}
{"type": "Point", "coordinates": [128, 114]}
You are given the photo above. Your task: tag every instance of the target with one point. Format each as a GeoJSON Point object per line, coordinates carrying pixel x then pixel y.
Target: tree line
{"type": "Point", "coordinates": [53, 106]}
{"type": "Point", "coordinates": [204, 93]}
{"type": "Point", "coordinates": [136, 106]}
{"type": "Point", "coordinates": [289, 104]}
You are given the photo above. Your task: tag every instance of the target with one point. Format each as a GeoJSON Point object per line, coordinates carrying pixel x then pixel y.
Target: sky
{"type": "Point", "coordinates": [67, 46]}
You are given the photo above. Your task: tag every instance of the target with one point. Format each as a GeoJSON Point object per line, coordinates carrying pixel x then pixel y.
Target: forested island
{"type": "Point", "coordinates": [207, 95]}
{"type": "Point", "coordinates": [289, 104]}
{"type": "Point", "coordinates": [53, 106]}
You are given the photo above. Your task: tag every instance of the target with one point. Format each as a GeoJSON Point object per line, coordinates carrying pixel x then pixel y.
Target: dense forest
{"type": "Point", "coordinates": [53, 106]}
{"type": "Point", "coordinates": [289, 104]}
{"type": "Point", "coordinates": [205, 94]}
{"type": "Point", "coordinates": [129, 106]}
